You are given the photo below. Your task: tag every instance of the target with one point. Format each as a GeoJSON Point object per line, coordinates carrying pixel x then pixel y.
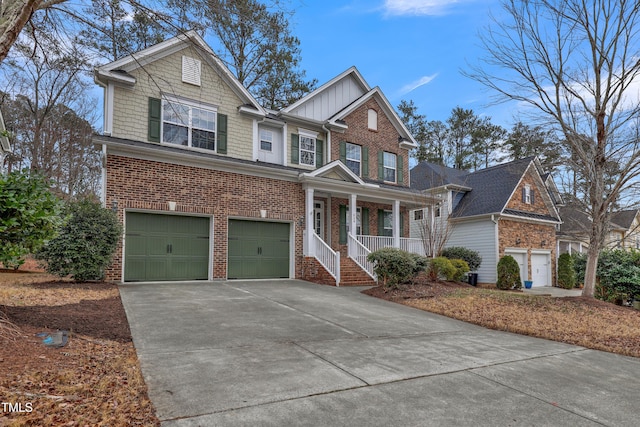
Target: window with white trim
{"type": "Point", "coordinates": [354, 158]}
{"type": "Point", "coordinates": [436, 210]}
{"type": "Point", "coordinates": [188, 125]}
{"type": "Point", "coordinates": [388, 223]}
{"type": "Point", "coordinates": [307, 150]}
{"type": "Point", "coordinates": [390, 165]}
{"type": "Point", "coordinates": [418, 215]}
{"type": "Point", "coordinates": [527, 194]}
{"type": "Point", "coordinates": [266, 140]}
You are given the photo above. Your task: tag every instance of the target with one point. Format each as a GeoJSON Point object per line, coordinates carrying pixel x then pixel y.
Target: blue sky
{"type": "Point", "coordinates": [412, 49]}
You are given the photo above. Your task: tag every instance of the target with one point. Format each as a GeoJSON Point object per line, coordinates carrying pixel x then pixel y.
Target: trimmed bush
{"type": "Point", "coordinates": [462, 268]}
{"type": "Point", "coordinates": [86, 243]}
{"type": "Point", "coordinates": [508, 273]}
{"type": "Point", "coordinates": [441, 268]}
{"type": "Point", "coordinates": [579, 265]}
{"type": "Point", "coordinates": [619, 275]}
{"type": "Point", "coordinates": [421, 263]}
{"type": "Point", "coordinates": [471, 257]}
{"type": "Point", "coordinates": [393, 266]}
{"type": "Point", "coordinates": [566, 272]}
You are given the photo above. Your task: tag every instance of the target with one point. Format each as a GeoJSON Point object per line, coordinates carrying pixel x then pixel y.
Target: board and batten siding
{"type": "Point", "coordinates": [481, 237]}
{"type": "Point", "coordinates": [330, 101]}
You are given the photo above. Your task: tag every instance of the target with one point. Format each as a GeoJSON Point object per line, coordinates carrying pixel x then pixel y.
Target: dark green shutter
{"type": "Point", "coordinates": [401, 224]}
{"type": "Point", "coordinates": [365, 162]}
{"type": "Point", "coordinates": [364, 226]}
{"type": "Point", "coordinates": [381, 165]}
{"type": "Point", "coordinates": [319, 153]}
{"type": "Point", "coordinates": [155, 118]}
{"type": "Point", "coordinates": [400, 169]}
{"type": "Point", "coordinates": [343, 152]}
{"type": "Point", "coordinates": [343, 224]}
{"type": "Point", "coordinates": [295, 149]}
{"type": "Point", "coordinates": [533, 200]}
{"type": "Point", "coordinates": [222, 134]}
{"type": "Point", "coordinates": [380, 222]}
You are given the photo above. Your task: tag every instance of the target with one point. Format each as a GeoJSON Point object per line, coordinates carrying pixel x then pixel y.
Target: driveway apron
{"type": "Point", "coordinates": [287, 352]}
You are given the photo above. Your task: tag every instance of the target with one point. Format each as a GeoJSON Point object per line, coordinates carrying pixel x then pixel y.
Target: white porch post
{"type": "Point", "coordinates": [353, 214]}
{"type": "Point", "coordinates": [308, 223]}
{"type": "Point", "coordinates": [395, 213]}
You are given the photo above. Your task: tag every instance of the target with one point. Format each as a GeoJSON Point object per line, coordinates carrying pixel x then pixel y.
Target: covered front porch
{"type": "Point", "coordinates": [347, 218]}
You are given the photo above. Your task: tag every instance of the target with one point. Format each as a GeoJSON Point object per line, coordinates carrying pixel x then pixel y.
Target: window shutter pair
{"type": "Point", "coordinates": [399, 167]}
{"type": "Point", "coordinates": [295, 150]}
{"type": "Point", "coordinates": [155, 121]}
{"type": "Point", "coordinates": [364, 161]}
{"type": "Point", "coordinates": [531, 195]}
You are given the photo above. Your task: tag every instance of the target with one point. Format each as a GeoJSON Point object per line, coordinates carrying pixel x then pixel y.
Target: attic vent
{"type": "Point", "coordinates": [191, 70]}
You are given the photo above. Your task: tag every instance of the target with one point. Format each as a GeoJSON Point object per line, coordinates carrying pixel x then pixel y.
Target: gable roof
{"type": "Point", "coordinates": [333, 101]}
{"type": "Point", "coordinates": [119, 71]}
{"type": "Point", "coordinates": [486, 191]}
{"type": "Point", "coordinates": [426, 175]}
{"type": "Point", "coordinates": [623, 219]}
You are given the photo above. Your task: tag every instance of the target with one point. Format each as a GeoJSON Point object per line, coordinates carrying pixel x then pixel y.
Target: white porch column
{"type": "Point", "coordinates": [308, 223]}
{"type": "Point", "coordinates": [395, 213]}
{"type": "Point", "coordinates": [353, 214]}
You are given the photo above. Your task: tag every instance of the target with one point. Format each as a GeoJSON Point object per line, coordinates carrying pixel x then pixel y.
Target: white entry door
{"type": "Point", "coordinates": [521, 259]}
{"type": "Point", "coordinates": [318, 218]}
{"type": "Point", "coordinates": [541, 269]}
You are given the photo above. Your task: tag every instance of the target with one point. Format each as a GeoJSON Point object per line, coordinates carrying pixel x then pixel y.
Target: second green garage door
{"type": "Point", "coordinates": [166, 247]}
{"type": "Point", "coordinates": [258, 250]}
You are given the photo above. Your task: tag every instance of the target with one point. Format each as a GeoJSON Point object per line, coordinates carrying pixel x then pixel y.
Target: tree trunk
{"type": "Point", "coordinates": [15, 14]}
{"type": "Point", "coordinates": [590, 272]}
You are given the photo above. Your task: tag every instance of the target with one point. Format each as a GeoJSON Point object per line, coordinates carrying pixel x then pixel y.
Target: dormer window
{"type": "Point", "coordinates": [372, 116]}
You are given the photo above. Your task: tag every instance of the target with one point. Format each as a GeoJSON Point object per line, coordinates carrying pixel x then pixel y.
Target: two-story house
{"type": "Point", "coordinates": [210, 185]}
{"type": "Point", "coordinates": [508, 209]}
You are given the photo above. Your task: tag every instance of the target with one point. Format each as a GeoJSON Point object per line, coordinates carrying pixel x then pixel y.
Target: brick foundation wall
{"type": "Point", "coordinates": [149, 186]}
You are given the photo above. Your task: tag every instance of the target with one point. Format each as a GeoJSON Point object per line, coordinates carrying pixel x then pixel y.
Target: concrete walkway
{"type": "Point", "coordinates": [553, 291]}
{"type": "Point", "coordinates": [280, 353]}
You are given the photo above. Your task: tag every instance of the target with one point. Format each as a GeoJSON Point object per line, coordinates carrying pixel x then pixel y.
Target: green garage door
{"type": "Point", "coordinates": [166, 247]}
{"type": "Point", "coordinates": [258, 250]}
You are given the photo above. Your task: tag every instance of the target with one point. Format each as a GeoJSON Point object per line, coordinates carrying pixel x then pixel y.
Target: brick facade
{"type": "Point", "coordinates": [385, 138]}
{"type": "Point", "coordinates": [146, 185]}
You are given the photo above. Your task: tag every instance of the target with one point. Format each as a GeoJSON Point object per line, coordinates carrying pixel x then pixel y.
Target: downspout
{"type": "Point", "coordinates": [328, 155]}
{"type": "Point", "coordinates": [497, 239]}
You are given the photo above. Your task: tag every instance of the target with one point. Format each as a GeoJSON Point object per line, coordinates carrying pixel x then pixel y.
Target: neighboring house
{"type": "Point", "coordinates": [506, 209]}
{"type": "Point", "coordinates": [5, 147]}
{"type": "Point", "coordinates": [573, 234]}
{"type": "Point", "coordinates": [211, 185]}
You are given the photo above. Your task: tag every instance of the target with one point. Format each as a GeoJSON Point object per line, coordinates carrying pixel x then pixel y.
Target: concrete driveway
{"type": "Point", "coordinates": [280, 353]}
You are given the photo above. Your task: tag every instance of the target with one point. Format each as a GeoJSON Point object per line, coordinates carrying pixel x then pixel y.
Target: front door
{"type": "Point", "coordinates": [318, 218]}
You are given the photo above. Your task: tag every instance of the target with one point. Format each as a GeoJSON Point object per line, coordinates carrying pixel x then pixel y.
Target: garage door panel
{"type": "Point", "coordinates": [258, 249]}
{"type": "Point", "coordinates": [166, 247]}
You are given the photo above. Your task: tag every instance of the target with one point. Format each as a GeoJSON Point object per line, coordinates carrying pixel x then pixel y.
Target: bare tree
{"type": "Point", "coordinates": [575, 62]}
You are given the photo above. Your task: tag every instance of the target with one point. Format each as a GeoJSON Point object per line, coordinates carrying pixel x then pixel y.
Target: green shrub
{"type": "Point", "coordinates": [579, 265]}
{"type": "Point", "coordinates": [29, 216]}
{"type": "Point", "coordinates": [566, 272]}
{"type": "Point", "coordinates": [393, 266]}
{"type": "Point", "coordinates": [441, 268]}
{"type": "Point", "coordinates": [619, 275]}
{"type": "Point", "coordinates": [421, 263]}
{"type": "Point", "coordinates": [462, 268]}
{"type": "Point", "coordinates": [86, 243]}
{"type": "Point", "coordinates": [508, 273]}
{"type": "Point", "coordinates": [471, 257]}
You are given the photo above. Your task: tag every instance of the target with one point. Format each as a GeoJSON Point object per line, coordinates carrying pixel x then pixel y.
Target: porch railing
{"type": "Point", "coordinates": [373, 243]}
{"type": "Point", "coordinates": [326, 256]}
{"type": "Point", "coordinates": [415, 246]}
{"type": "Point", "coordinates": [359, 252]}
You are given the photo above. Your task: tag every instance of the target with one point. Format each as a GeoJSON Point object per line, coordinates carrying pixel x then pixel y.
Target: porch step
{"type": "Point", "coordinates": [352, 275]}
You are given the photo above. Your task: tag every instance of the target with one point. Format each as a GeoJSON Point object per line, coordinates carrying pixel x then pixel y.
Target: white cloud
{"type": "Point", "coordinates": [416, 84]}
{"type": "Point", "coordinates": [418, 7]}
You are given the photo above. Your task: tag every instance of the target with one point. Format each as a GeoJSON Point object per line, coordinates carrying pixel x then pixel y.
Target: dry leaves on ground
{"type": "Point", "coordinates": [94, 380]}
{"type": "Point", "coordinates": [575, 320]}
